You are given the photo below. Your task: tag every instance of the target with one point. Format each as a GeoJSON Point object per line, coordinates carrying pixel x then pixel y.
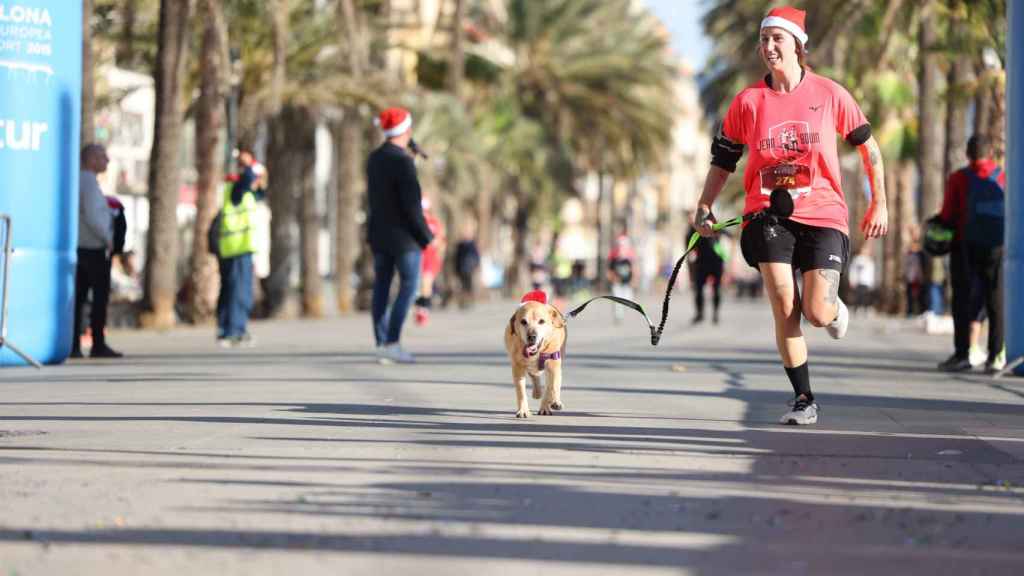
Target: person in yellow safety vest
{"type": "Point", "coordinates": [236, 247]}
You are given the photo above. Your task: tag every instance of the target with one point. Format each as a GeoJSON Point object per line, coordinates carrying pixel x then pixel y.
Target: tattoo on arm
{"type": "Point", "coordinates": [831, 277]}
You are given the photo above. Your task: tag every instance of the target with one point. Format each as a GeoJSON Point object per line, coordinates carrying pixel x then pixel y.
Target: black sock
{"type": "Point", "coordinates": [423, 302]}
{"type": "Point", "coordinates": [800, 378]}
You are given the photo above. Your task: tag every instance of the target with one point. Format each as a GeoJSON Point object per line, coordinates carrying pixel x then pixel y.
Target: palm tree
{"type": "Point", "coordinates": [931, 86]}
{"type": "Point", "coordinates": [457, 65]}
{"type": "Point", "coordinates": [597, 77]}
{"type": "Point", "coordinates": [288, 131]}
{"type": "Point", "coordinates": [164, 174]}
{"type": "Point", "coordinates": [88, 127]}
{"type": "Point", "coordinates": [352, 23]}
{"type": "Point", "coordinates": [209, 117]}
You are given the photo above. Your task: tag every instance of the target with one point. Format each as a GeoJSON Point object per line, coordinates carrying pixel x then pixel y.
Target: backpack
{"type": "Point", "coordinates": [213, 234]}
{"type": "Point", "coordinates": [986, 210]}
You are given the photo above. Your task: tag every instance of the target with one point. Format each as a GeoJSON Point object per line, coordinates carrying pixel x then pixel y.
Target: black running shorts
{"type": "Point", "coordinates": [804, 247]}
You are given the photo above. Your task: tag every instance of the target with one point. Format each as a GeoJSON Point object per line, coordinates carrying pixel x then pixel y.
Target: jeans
{"type": "Point", "coordinates": [935, 298]}
{"type": "Point", "coordinates": [387, 324]}
{"type": "Point", "coordinates": [235, 300]}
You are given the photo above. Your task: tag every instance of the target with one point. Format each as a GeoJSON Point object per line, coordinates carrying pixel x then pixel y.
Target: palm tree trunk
{"type": "Point", "coordinates": [349, 158]}
{"type": "Point", "coordinates": [852, 182]}
{"type": "Point", "coordinates": [88, 127]}
{"type": "Point", "coordinates": [909, 236]}
{"type": "Point", "coordinates": [516, 273]}
{"type": "Point", "coordinates": [164, 173]}
{"type": "Point", "coordinates": [350, 253]}
{"type": "Point", "coordinates": [278, 11]}
{"type": "Point", "coordinates": [457, 66]}
{"type": "Point", "coordinates": [931, 83]}
{"type": "Point", "coordinates": [291, 150]}
{"type": "Point", "coordinates": [892, 258]}
{"type": "Point", "coordinates": [961, 75]}
{"type": "Point", "coordinates": [125, 54]}
{"type": "Point", "coordinates": [209, 158]}
{"type": "Point", "coordinates": [997, 123]}
{"type": "Point", "coordinates": [983, 105]}
{"type": "Point", "coordinates": [312, 283]}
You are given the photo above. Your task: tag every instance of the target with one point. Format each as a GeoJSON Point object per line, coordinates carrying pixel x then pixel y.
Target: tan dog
{"type": "Point", "coordinates": [535, 342]}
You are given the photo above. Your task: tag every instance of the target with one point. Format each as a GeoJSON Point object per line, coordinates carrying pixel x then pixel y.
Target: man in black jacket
{"type": "Point", "coordinates": [397, 231]}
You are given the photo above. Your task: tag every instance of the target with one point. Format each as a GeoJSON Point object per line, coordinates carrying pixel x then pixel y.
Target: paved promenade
{"type": "Point", "coordinates": [303, 456]}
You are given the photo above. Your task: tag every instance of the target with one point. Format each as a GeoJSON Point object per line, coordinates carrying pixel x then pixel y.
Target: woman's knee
{"type": "Point", "coordinates": [781, 297]}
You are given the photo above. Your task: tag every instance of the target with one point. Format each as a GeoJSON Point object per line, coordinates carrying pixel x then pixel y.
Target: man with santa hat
{"type": "Point", "coordinates": [397, 231]}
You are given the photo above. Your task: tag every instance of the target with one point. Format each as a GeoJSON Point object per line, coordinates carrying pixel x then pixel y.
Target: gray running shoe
{"type": "Point", "coordinates": [394, 354]}
{"type": "Point", "coordinates": [804, 412]}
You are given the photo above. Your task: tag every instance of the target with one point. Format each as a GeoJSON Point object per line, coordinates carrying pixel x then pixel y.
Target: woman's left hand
{"type": "Point", "coordinates": [876, 221]}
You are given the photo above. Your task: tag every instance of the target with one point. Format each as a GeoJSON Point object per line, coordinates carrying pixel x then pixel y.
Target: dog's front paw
{"type": "Point", "coordinates": [557, 406]}
{"type": "Point", "coordinates": [523, 413]}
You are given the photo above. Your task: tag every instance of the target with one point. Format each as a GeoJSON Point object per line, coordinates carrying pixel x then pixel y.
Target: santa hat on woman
{"type": "Point", "coordinates": [789, 19]}
{"type": "Point", "coordinates": [394, 122]}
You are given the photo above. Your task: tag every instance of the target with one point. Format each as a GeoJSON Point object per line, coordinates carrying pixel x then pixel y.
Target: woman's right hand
{"type": "Point", "coordinates": [704, 220]}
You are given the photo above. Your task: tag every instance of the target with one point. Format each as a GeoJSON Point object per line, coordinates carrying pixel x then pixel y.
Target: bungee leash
{"type": "Point", "coordinates": [781, 208]}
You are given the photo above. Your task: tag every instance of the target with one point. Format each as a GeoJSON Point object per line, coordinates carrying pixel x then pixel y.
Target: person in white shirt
{"type": "Point", "coordinates": [95, 244]}
{"type": "Point", "coordinates": [862, 278]}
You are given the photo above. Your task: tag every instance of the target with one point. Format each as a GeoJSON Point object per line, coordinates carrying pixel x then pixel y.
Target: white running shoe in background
{"type": "Point", "coordinates": [394, 354]}
{"type": "Point", "coordinates": [977, 356]}
{"type": "Point", "coordinates": [837, 328]}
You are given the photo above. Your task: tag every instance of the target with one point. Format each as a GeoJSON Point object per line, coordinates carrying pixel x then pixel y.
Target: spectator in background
{"type": "Point", "coordinates": [862, 278]}
{"type": "Point", "coordinates": [707, 264]}
{"type": "Point", "coordinates": [973, 206]}
{"type": "Point", "coordinates": [560, 266]}
{"type": "Point", "coordinates": [431, 264]}
{"type": "Point", "coordinates": [913, 278]}
{"type": "Point", "coordinates": [397, 231]}
{"type": "Point", "coordinates": [540, 275]}
{"type": "Point", "coordinates": [95, 248]}
{"type": "Point", "coordinates": [236, 246]}
{"type": "Point", "coordinates": [467, 260]}
{"type": "Point", "coordinates": [621, 266]}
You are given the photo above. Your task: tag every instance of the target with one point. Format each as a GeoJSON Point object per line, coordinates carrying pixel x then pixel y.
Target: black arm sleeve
{"type": "Point", "coordinates": [725, 153]}
{"type": "Point", "coordinates": [859, 135]}
{"type": "Point", "coordinates": [410, 198]}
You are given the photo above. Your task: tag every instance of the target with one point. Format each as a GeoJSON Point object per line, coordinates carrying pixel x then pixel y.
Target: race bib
{"type": "Point", "coordinates": [793, 177]}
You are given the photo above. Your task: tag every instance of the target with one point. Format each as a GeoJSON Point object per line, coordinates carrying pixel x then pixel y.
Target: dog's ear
{"type": "Point", "coordinates": [512, 324]}
{"type": "Point", "coordinates": [557, 320]}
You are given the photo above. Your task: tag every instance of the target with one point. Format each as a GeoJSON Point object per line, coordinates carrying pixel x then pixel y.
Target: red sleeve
{"type": "Point", "coordinates": [848, 114]}
{"type": "Point", "coordinates": [948, 199]}
{"type": "Point", "coordinates": [734, 127]}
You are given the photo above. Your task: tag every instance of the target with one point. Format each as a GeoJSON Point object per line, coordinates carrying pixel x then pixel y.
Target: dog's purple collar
{"type": "Point", "coordinates": [542, 358]}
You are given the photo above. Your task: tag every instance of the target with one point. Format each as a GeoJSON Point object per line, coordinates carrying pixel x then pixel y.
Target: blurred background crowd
{"type": "Point", "coordinates": [559, 133]}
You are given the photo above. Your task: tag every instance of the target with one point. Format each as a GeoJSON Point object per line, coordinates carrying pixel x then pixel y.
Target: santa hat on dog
{"type": "Point", "coordinates": [789, 19]}
{"type": "Point", "coordinates": [534, 296]}
{"type": "Point", "coordinates": [394, 122]}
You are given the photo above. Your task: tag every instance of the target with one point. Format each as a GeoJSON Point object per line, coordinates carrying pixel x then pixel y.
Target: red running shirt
{"type": "Point", "coordinates": [792, 140]}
